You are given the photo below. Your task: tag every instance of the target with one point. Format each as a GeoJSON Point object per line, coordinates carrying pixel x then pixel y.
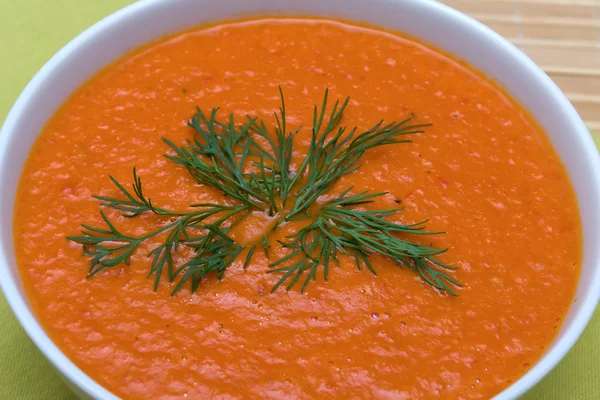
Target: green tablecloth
{"type": "Point", "coordinates": [30, 32]}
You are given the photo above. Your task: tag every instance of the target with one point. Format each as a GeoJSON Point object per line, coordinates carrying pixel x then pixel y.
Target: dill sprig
{"type": "Point", "coordinates": [109, 247]}
{"type": "Point", "coordinates": [358, 234]}
{"type": "Point", "coordinates": [254, 169]}
{"type": "Point", "coordinates": [332, 154]}
{"type": "Point", "coordinates": [218, 159]}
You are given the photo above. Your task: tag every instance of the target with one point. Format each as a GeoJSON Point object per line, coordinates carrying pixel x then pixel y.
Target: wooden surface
{"type": "Point", "coordinates": [562, 36]}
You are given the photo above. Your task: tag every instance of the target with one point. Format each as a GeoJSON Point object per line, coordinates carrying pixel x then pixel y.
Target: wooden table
{"type": "Point", "coordinates": [562, 36]}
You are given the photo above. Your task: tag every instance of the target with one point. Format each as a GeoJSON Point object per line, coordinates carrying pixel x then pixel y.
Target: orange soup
{"type": "Point", "coordinates": [482, 172]}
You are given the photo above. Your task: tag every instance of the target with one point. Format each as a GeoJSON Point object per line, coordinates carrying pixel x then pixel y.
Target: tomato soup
{"type": "Point", "coordinates": [483, 172]}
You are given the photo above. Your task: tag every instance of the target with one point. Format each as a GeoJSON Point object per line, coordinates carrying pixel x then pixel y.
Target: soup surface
{"type": "Point", "coordinates": [483, 172]}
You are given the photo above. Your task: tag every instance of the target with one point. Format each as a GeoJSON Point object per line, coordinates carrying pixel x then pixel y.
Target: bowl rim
{"type": "Point", "coordinates": [87, 385]}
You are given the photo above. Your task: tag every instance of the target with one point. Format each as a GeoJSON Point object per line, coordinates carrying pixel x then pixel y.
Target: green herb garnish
{"type": "Point", "coordinates": [254, 168]}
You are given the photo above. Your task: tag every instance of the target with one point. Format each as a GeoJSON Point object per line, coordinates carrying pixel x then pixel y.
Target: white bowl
{"type": "Point", "coordinates": [426, 20]}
